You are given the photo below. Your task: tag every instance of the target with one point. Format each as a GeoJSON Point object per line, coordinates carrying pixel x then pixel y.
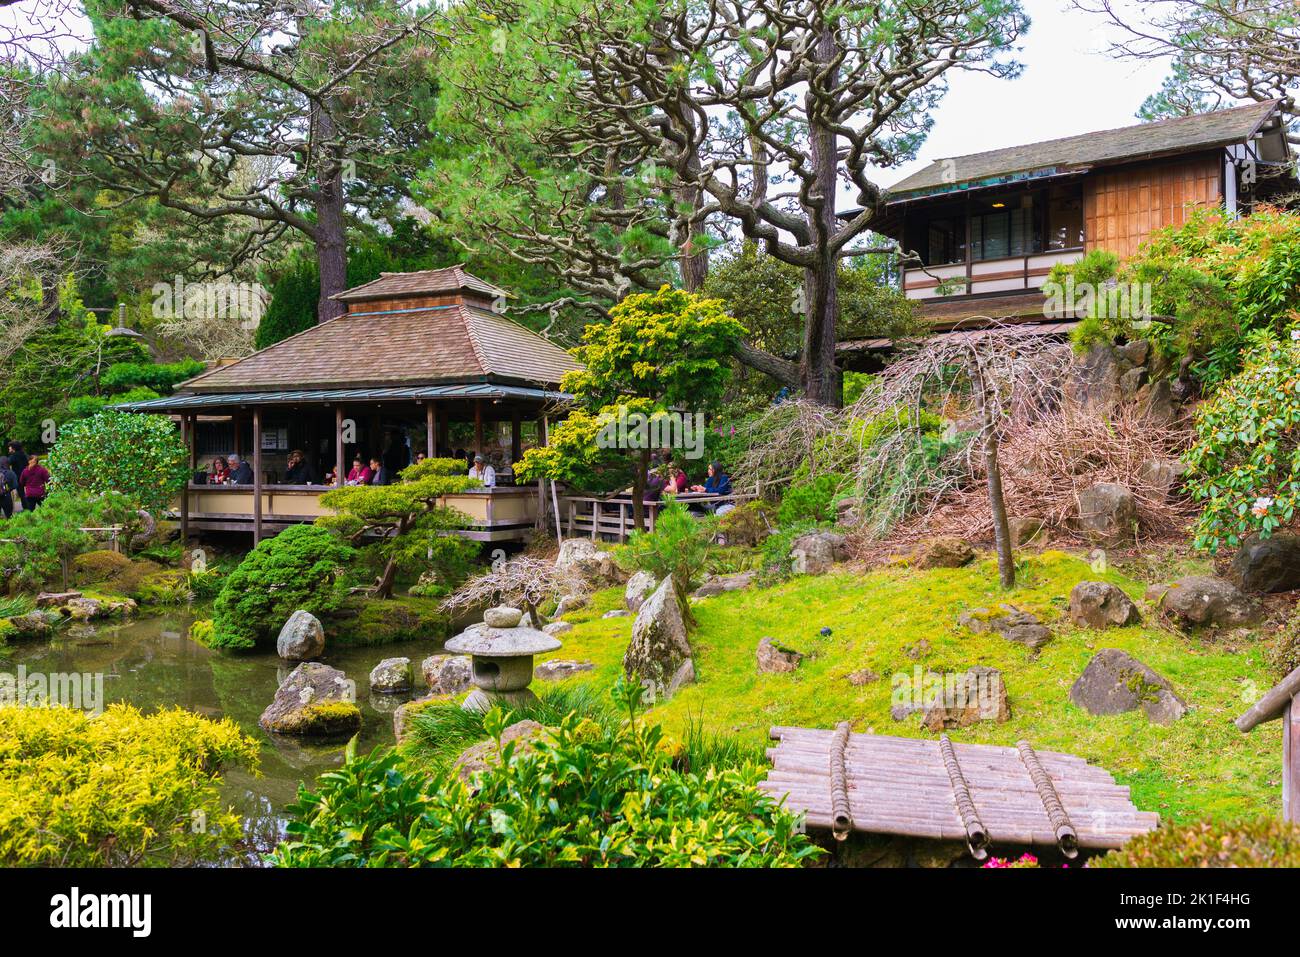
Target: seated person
{"type": "Point", "coordinates": [219, 472]}
{"type": "Point", "coordinates": [483, 472]}
{"type": "Point", "coordinates": [717, 483]}
{"type": "Point", "coordinates": [380, 474]}
{"type": "Point", "coordinates": [675, 479]}
{"type": "Point", "coordinates": [240, 472]}
{"type": "Point", "coordinates": [297, 471]}
{"type": "Point", "coordinates": [359, 474]}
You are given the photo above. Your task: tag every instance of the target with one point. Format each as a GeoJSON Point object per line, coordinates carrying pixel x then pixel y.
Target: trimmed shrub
{"type": "Point", "coordinates": [112, 451]}
{"type": "Point", "coordinates": [1266, 842]}
{"type": "Point", "coordinates": [117, 790]}
{"type": "Point", "coordinates": [296, 569]}
{"type": "Point", "coordinates": [747, 524]}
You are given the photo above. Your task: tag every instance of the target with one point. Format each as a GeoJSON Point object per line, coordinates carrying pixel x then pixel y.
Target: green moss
{"type": "Point", "coordinates": [370, 621]}
{"type": "Point", "coordinates": [6, 629]}
{"type": "Point", "coordinates": [1200, 766]}
{"type": "Point", "coordinates": [327, 718]}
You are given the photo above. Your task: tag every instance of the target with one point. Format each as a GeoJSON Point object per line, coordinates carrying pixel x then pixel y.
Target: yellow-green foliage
{"type": "Point", "coordinates": [98, 565]}
{"type": "Point", "coordinates": [1264, 842]}
{"type": "Point", "coordinates": [1200, 766]}
{"type": "Point", "coordinates": [201, 632]}
{"type": "Point", "coordinates": [330, 717]}
{"type": "Point", "coordinates": [118, 789]}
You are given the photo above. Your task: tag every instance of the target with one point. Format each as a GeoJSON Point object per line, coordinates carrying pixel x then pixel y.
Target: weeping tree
{"type": "Point", "coordinates": [524, 582]}
{"type": "Point", "coordinates": [669, 122]}
{"type": "Point", "coordinates": [414, 531]}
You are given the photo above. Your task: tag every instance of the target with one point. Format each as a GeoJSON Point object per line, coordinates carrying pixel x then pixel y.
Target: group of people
{"type": "Point", "coordinates": [667, 477]}
{"type": "Point", "coordinates": [376, 470]}
{"type": "Point", "coordinates": [230, 470]}
{"type": "Point", "coordinates": [24, 476]}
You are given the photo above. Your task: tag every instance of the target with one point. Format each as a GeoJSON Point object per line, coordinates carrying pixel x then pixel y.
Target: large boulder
{"type": "Point", "coordinates": [639, 587]}
{"type": "Point", "coordinates": [301, 638]}
{"type": "Point", "coordinates": [581, 557]}
{"type": "Point", "coordinates": [1162, 476]}
{"type": "Point", "coordinates": [1107, 513]}
{"type": "Point", "coordinates": [659, 646]}
{"type": "Point", "coordinates": [942, 553]}
{"type": "Point", "coordinates": [54, 599]}
{"type": "Point", "coordinates": [557, 628]}
{"type": "Point", "coordinates": [447, 674]}
{"type": "Point", "coordinates": [1010, 622]}
{"type": "Point", "coordinates": [478, 758]}
{"type": "Point", "coordinates": [718, 584]}
{"type": "Point", "coordinates": [33, 626]}
{"type": "Point", "coordinates": [978, 694]}
{"type": "Point", "coordinates": [557, 669]}
{"type": "Point", "coordinates": [1093, 381]}
{"type": "Point", "coordinates": [1268, 564]}
{"type": "Point", "coordinates": [1102, 605]}
{"type": "Point", "coordinates": [316, 700]}
{"type": "Point", "coordinates": [1115, 682]}
{"type": "Point", "coordinates": [1026, 530]}
{"type": "Point", "coordinates": [1157, 403]}
{"type": "Point", "coordinates": [774, 657]}
{"type": "Point", "coordinates": [391, 676]}
{"type": "Point", "coordinates": [816, 552]}
{"type": "Point", "coordinates": [1203, 600]}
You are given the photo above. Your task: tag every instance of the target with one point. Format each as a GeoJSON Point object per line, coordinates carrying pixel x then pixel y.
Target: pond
{"type": "Point", "coordinates": [150, 663]}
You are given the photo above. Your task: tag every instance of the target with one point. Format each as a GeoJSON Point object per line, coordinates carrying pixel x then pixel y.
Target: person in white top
{"type": "Point", "coordinates": [483, 472]}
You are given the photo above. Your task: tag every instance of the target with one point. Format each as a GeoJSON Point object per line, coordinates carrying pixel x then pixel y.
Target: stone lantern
{"type": "Point", "coordinates": [501, 658]}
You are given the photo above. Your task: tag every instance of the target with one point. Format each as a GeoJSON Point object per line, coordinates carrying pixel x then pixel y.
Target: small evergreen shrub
{"type": "Point", "coordinates": [1266, 842]}
{"type": "Point", "coordinates": [95, 455]}
{"type": "Point", "coordinates": [298, 568]}
{"type": "Point", "coordinates": [809, 498]}
{"type": "Point", "coordinates": [677, 548]}
{"type": "Point", "coordinates": [120, 789]}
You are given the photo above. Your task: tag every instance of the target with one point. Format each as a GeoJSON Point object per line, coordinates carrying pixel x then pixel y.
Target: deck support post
{"type": "Point", "coordinates": [478, 426]}
{"type": "Point", "coordinates": [257, 474]}
{"type": "Point", "coordinates": [430, 428]}
{"type": "Point", "coordinates": [340, 460]}
{"type": "Point", "coordinates": [1291, 762]}
{"type": "Point", "coordinates": [187, 436]}
{"type": "Point", "coordinates": [516, 436]}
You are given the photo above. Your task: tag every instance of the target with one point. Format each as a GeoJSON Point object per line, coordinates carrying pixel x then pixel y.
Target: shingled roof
{"type": "Point", "coordinates": [449, 343]}
{"type": "Point", "coordinates": [426, 282]}
{"type": "Point", "coordinates": [1074, 153]}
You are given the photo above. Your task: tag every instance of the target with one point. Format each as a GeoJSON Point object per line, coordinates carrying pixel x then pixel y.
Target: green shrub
{"type": "Point", "coordinates": [777, 565]}
{"type": "Point", "coordinates": [201, 632]}
{"type": "Point", "coordinates": [296, 569]}
{"type": "Point", "coordinates": [748, 524]}
{"type": "Point", "coordinates": [112, 451]}
{"type": "Point", "coordinates": [810, 498]}
{"type": "Point", "coordinates": [206, 585]}
{"type": "Point", "coordinates": [369, 621]}
{"type": "Point", "coordinates": [39, 546]}
{"type": "Point", "coordinates": [677, 548]}
{"type": "Point", "coordinates": [580, 796]}
{"type": "Point", "coordinates": [117, 790]}
{"type": "Point", "coordinates": [1244, 465]}
{"type": "Point", "coordinates": [170, 587]}
{"type": "Point", "coordinates": [1267, 842]}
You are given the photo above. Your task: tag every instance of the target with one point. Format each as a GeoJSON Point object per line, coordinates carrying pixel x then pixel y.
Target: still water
{"type": "Point", "coordinates": [150, 663]}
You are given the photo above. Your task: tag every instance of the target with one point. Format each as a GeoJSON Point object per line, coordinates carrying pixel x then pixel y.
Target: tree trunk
{"type": "Point", "coordinates": [384, 586]}
{"type": "Point", "coordinates": [331, 239]}
{"type": "Point", "coordinates": [640, 470]}
{"type": "Point", "coordinates": [817, 371]}
{"type": "Point", "coordinates": [993, 477]}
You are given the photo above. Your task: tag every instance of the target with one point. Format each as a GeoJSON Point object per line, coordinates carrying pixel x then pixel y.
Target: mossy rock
{"type": "Point", "coordinates": [372, 621]}
{"type": "Point", "coordinates": [99, 565]}
{"type": "Point", "coordinates": [328, 719]}
{"type": "Point", "coordinates": [116, 574]}
{"type": "Point", "coordinates": [7, 630]}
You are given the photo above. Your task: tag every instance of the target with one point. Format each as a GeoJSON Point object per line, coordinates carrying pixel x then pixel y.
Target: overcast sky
{"type": "Point", "coordinates": [1070, 85]}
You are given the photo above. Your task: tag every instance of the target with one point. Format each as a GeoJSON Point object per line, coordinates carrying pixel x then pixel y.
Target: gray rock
{"type": "Point", "coordinates": [1010, 622]}
{"type": "Point", "coordinates": [558, 627]}
{"type": "Point", "coordinates": [616, 613]}
{"type": "Point", "coordinates": [1107, 514]}
{"type": "Point", "coordinates": [557, 669]}
{"type": "Point", "coordinates": [480, 757]}
{"type": "Point", "coordinates": [639, 587]}
{"type": "Point", "coordinates": [568, 603]}
{"type": "Point", "coordinates": [301, 638]}
{"type": "Point", "coordinates": [1026, 530]}
{"type": "Point", "coordinates": [1162, 475]}
{"type": "Point", "coordinates": [447, 674]}
{"type": "Point", "coordinates": [1093, 380]}
{"type": "Point", "coordinates": [774, 657]}
{"type": "Point", "coordinates": [47, 599]}
{"type": "Point", "coordinates": [1268, 564]}
{"type": "Point", "coordinates": [942, 553]}
{"type": "Point", "coordinates": [316, 700]}
{"type": "Point", "coordinates": [1115, 682]}
{"type": "Point", "coordinates": [659, 644]}
{"type": "Point", "coordinates": [1156, 402]}
{"type": "Point", "coordinates": [718, 584]}
{"type": "Point", "coordinates": [816, 552]}
{"type": "Point", "coordinates": [33, 626]}
{"type": "Point", "coordinates": [502, 617]}
{"type": "Point", "coordinates": [978, 694]}
{"type": "Point", "coordinates": [391, 676]}
{"type": "Point", "coordinates": [1102, 605]}
{"type": "Point", "coordinates": [1203, 600]}
{"type": "Point", "coordinates": [581, 557]}
{"type": "Point", "coordinates": [1135, 352]}
{"type": "Point", "coordinates": [403, 714]}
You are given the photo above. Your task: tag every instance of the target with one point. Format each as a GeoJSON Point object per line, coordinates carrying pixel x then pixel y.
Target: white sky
{"type": "Point", "coordinates": [1070, 85]}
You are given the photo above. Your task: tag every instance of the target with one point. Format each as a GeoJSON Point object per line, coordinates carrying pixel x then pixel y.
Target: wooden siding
{"type": "Point", "coordinates": [1122, 207]}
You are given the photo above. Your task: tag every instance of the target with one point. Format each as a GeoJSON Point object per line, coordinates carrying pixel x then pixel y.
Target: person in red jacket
{"type": "Point", "coordinates": [33, 481]}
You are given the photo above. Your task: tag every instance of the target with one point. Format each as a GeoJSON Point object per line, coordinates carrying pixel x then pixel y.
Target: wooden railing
{"type": "Point", "coordinates": [613, 516]}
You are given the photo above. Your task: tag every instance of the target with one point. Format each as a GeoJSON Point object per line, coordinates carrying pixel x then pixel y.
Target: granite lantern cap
{"type": "Point", "coordinates": [488, 642]}
{"type": "Point", "coordinates": [501, 658]}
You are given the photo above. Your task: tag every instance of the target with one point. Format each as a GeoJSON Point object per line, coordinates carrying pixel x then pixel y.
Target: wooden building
{"type": "Point", "coordinates": [420, 362]}
{"type": "Point", "coordinates": [987, 228]}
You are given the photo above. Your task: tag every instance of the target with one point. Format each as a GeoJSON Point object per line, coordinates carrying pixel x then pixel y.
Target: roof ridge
{"type": "Point", "coordinates": [519, 325]}
{"type": "Point", "coordinates": [472, 333]}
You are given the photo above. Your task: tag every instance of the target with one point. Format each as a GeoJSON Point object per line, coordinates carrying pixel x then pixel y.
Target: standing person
{"type": "Point", "coordinates": [483, 472]}
{"type": "Point", "coordinates": [18, 462]}
{"type": "Point", "coordinates": [32, 481]}
{"type": "Point", "coordinates": [8, 482]}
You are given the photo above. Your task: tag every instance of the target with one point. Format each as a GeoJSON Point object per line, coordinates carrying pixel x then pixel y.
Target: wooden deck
{"type": "Point", "coordinates": [612, 516]}
{"type": "Point", "coordinates": [499, 514]}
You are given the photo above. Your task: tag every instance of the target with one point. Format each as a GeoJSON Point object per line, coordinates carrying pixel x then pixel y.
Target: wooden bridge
{"type": "Point", "coordinates": [978, 793]}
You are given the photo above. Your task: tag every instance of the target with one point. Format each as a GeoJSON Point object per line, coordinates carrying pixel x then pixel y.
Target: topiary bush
{"type": "Point", "coordinates": [748, 524]}
{"type": "Point", "coordinates": [120, 789]}
{"type": "Point", "coordinates": [138, 455]}
{"type": "Point", "coordinates": [580, 795]}
{"type": "Point", "coordinates": [1244, 465]}
{"type": "Point", "coordinates": [1266, 842]}
{"type": "Point", "coordinates": [299, 568]}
